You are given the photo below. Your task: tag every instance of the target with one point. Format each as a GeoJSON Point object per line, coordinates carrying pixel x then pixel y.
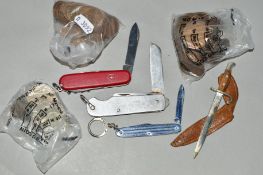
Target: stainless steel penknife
{"type": "Point", "coordinates": [130, 103]}
{"type": "Point", "coordinates": [145, 129]}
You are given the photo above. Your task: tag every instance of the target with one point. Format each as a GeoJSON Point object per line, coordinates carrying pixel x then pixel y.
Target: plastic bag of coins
{"type": "Point", "coordinates": [81, 32]}
{"type": "Point", "coordinates": [202, 40]}
{"type": "Point", "coordinates": [38, 121]}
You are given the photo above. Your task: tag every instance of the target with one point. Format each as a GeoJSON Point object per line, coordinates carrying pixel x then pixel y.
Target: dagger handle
{"type": "Point", "coordinates": [226, 77]}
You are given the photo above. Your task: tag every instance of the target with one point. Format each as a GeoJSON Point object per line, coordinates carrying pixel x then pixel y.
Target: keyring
{"type": "Point", "coordinates": [104, 125]}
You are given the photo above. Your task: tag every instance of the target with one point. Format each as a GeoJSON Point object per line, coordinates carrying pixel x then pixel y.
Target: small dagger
{"type": "Point", "coordinates": [214, 107]}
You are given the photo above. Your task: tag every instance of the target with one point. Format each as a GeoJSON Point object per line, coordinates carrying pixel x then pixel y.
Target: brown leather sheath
{"type": "Point", "coordinates": [223, 116]}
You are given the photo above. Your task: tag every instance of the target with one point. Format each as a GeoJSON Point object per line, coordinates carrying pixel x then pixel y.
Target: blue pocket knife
{"type": "Point", "coordinates": [144, 130]}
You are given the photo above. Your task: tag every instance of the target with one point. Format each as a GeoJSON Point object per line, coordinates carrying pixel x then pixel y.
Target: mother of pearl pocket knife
{"type": "Point", "coordinates": [131, 103]}
{"type": "Point", "coordinates": [79, 82]}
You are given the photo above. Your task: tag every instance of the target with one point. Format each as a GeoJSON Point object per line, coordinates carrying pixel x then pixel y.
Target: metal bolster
{"type": "Point", "coordinates": [128, 67]}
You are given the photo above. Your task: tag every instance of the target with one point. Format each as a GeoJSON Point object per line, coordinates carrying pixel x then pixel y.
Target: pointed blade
{"type": "Point", "coordinates": [156, 69]}
{"type": "Point", "coordinates": [132, 48]}
{"type": "Point", "coordinates": [179, 105]}
{"type": "Point", "coordinates": [208, 122]}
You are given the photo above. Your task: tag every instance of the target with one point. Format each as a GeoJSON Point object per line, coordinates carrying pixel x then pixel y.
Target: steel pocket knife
{"type": "Point", "coordinates": [131, 103]}
{"type": "Point", "coordinates": [78, 82]}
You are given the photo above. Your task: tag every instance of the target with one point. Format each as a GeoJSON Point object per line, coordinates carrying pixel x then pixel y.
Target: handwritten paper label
{"type": "Point", "coordinates": [84, 24]}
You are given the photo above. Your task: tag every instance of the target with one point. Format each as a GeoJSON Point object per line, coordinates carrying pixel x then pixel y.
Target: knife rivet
{"type": "Point", "coordinates": [118, 110]}
{"type": "Point", "coordinates": [148, 133]}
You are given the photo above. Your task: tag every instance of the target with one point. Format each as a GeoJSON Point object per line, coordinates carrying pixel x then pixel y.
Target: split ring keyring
{"type": "Point", "coordinates": [104, 125]}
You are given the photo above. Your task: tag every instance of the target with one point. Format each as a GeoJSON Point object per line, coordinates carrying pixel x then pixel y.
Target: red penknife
{"type": "Point", "coordinates": [93, 80]}
{"type": "Point", "coordinates": [78, 82]}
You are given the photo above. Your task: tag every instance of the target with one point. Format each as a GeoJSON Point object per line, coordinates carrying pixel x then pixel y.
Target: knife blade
{"type": "Point", "coordinates": [206, 126]}
{"type": "Point", "coordinates": [179, 105]}
{"type": "Point", "coordinates": [156, 69]}
{"type": "Point", "coordinates": [101, 79]}
{"type": "Point", "coordinates": [132, 48]}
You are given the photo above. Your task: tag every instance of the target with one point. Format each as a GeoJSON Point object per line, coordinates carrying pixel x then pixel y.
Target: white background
{"type": "Point", "coordinates": [25, 31]}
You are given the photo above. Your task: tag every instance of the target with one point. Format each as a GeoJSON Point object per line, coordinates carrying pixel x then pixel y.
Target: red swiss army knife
{"type": "Point", "coordinates": [78, 82]}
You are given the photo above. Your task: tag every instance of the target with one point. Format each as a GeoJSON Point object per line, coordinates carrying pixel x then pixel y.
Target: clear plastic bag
{"type": "Point", "coordinates": [81, 33]}
{"type": "Point", "coordinates": [37, 120]}
{"type": "Point", "coordinates": [203, 40]}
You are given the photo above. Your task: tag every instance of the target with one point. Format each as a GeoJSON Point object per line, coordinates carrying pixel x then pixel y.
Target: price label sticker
{"type": "Point", "coordinates": [84, 24]}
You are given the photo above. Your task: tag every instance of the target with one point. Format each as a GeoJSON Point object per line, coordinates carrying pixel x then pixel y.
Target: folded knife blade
{"type": "Point", "coordinates": [102, 79]}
